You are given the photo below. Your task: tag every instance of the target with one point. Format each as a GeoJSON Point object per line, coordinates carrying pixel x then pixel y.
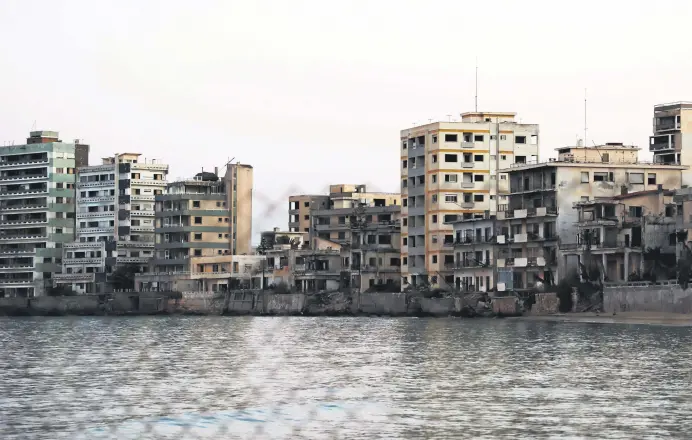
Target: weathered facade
{"type": "Point", "coordinates": [37, 205]}
{"type": "Point", "coordinates": [474, 253]}
{"type": "Point", "coordinates": [450, 170]}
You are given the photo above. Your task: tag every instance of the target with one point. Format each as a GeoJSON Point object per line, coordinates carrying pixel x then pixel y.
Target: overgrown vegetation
{"type": "Point", "coordinates": [60, 291]}
{"type": "Point", "coordinates": [123, 278]}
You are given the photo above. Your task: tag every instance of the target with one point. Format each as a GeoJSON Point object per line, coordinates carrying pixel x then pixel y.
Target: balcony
{"type": "Point", "coordinates": [16, 267]}
{"type": "Point", "coordinates": [536, 262]}
{"type": "Point", "coordinates": [17, 179]}
{"type": "Point", "coordinates": [20, 238]}
{"type": "Point", "coordinates": [473, 263]}
{"type": "Point", "coordinates": [471, 241]}
{"type": "Point", "coordinates": [366, 268]}
{"type": "Point", "coordinates": [468, 164]}
{"type": "Point", "coordinates": [512, 262]}
{"type": "Point", "coordinates": [99, 184]}
{"type": "Point", "coordinates": [83, 260]}
{"type": "Point", "coordinates": [468, 185]}
{"type": "Point", "coordinates": [24, 207]}
{"type": "Point", "coordinates": [24, 163]}
{"type": "Point", "coordinates": [96, 230]}
{"type": "Point", "coordinates": [24, 223]}
{"type": "Point", "coordinates": [23, 192]}
{"type": "Point", "coordinates": [135, 244]}
{"type": "Point", "coordinates": [96, 214]}
{"type": "Point", "coordinates": [63, 278]}
{"type": "Point", "coordinates": [143, 197]}
{"type": "Point", "coordinates": [467, 205]}
{"type": "Point", "coordinates": [133, 260]}
{"type": "Point", "coordinates": [96, 199]}
{"type": "Point", "coordinates": [147, 182]}
{"type": "Point", "coordinates": [468, 145]}
{"type": "Point", "coordinates": [503, 213]}
{"type": "Point", "coordinates": [16, 282]}
{"type": "Point", "coordinates": [149, 228]}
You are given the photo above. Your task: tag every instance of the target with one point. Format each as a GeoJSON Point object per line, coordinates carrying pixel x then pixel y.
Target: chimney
{"type": "Point", "coordinates": [216, 170]}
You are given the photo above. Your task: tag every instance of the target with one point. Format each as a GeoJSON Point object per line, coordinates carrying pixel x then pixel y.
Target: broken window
{"type": "Point", "coordinates": [434, 198]}
{"type": "Point", "coordinates": [434, 218]}
{"type": "Point", "coordinates": [434, 259]}
{"type": "Point", "coordinates": [503, 137]}
{"type": "Point", "coordinates": [503, 157]}
{"type": "Point", "coordinates": [404, 163]}
{"type": "Point", "coordinates": [602, 177]}
{"type": "Point", "coordinates": [478, 158]}
{"type": "Point", "coordinates": [451, 158]}
{"type": "Point", "coordinates": [520, 159]}
{"type": "Point", "coordinates": [468, 137]}
{"type": "Point", "coordinates": [404, 202]}
{"type": "Point", "coordinates": [404, 241]}
{"type": "Point", "coordinates": [384, 239]}
{"type": "Point", "coordinates": [478, 138]}
{"type": "Point", "coordinates": [434, 178]}
{"type": "Point", "coordinates": [404, 183]}
{"type": "Point", "coordinates": [451, 178]}
{"type": "Point", "coordinates": [584, 177]}
{"type": "Point", "coordinates": [652, 179]}
{"type": "Point", "coordinates": [478, 197]}
{"type": "Point", "coordinates": [450, 137]}
{"type": "Point", "coordinates": [637, 178]}
{"type": "Point", "coordinates": [478, 178]}
{"type": "Point", "coordinates": [434, 139]}
{"type": "Point", "coordinates": [635, 211]}
{"type": "Point", "coordinates": [468, 157]}
{"type": "Point", "coordinates": [434, 158]}
{"type": "Point", "coordinates": [404, 221]}
{"type": "Point", "coordinates": [450, 218]}
{"type": "Point", "coordinates": [450, 198]}
{"type": "Point", "coordinates": [670, 211]}
{"type": "Point", "coordinates": [520, 139]}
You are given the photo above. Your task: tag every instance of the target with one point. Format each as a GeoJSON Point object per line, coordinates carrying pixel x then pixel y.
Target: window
{"type": "Point", "coordinates": [520, 139]}
{"type": "Point", "coordinates": [503, 157]}
{"type": "Point", "coordinates": [434, 259]}
{"type": "Point", "coordinates": [404, 202]}
{"type": "Point", "coordinates": [478, 138]}
{"type": "Point", "coordinates": [451, 178]}
{"type": "Point", "coordinates": [503, 137]}
{"type": "Point", "coordinates": [404, 221]}
{"type": "Point", "coordinates": [342, 235]}
{"type": "Point", "coordinates": [198, 220]}
{"type": "Point", "coordinates": [306, 204]}
{"type": "Point", "coordinates": [652, 179]}
{"type": "Point", "coordinates": [434, 139]}
{"type": "Point", "coordinates": [503, 176]}
{"type": "Point", "coordinates": [520, 159]}
{"type": "Point", "coordinates": [195, 204]}
{"type": "Point", "coordinates": [450, 198]}
{"type": "Point", "coordinates": [493, 137]}
{"type": "Point", "coordinates": [220, 220]}
{"type": "Point", "coordinates": [198, 236]}
{"type": "Point", "coordinates": [404, 183]}
{"type": "Point", "coordinates": [218, 204]}
{"type": "Point", "coordinates": [478, 197]}
{"type": "Point", "coordinates": [584, 177]}
{"type": "Point", "coordinates": [478, 178]}
{"type": "Point", "coordinates": [434, 158]}
{"type": "Point", "coordinates": [478, 158]}
{"type": "Point", "coordinates": [450, 138]}
{"type": "Point", "coordinates": [451, 158]}
{"type": "Point", "coordinates": [306, 217]}
{"type": "Point", "coordinates": [449, 218]}
{"type": "Point", "coordinates": [434, 198]}
{"type": "Point", "coordinates": [220, 235]}
{"type": "Point", "coordinates": [404, 163]}
{"type": "Point", "coordinates": [635, 178]}
{"type": "Point", "coordinates": [60, 170]}
{"type": "Point", "coordinates": [602, 177]}
{"type": "Point", "coordinates": [434, 178]}
{"type": "Point", "coordinates": [434, 218]}
{"type": "Point", "coordinates": [404, 260]}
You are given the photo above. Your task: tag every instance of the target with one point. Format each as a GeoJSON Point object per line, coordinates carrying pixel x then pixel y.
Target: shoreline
{"type": "Point", "coordinates": [638, 318]}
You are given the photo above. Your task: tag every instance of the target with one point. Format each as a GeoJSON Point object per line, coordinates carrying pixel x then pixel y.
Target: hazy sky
{"type": "Point", "coordinates": [315, 92]}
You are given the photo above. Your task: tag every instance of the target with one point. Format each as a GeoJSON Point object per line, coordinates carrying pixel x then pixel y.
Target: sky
{"type": "Point", "coordinates": [315, 92]}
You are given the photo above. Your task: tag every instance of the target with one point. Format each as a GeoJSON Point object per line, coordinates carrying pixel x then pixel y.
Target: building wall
{"type": "Point", "coordinates": [299, 210]}
{"type": "Point", "coordinates": [241, 207]}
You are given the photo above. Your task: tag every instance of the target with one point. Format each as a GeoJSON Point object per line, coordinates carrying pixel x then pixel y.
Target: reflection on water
{"type": "Point", "coordinates": [222, 377]}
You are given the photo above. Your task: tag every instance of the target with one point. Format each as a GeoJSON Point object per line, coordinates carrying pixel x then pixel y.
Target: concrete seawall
{"type": "Point", "coordinates": [643, 297]}
{"type": "Point", "coordinates": [252, 303]}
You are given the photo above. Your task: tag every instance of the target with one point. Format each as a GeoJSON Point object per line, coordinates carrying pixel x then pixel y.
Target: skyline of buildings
{"type": "Point", "coordinates": [479, 209]}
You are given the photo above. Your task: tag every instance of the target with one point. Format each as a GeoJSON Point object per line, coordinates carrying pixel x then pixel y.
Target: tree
{"type": "Point", "coordinates": [123, 277]}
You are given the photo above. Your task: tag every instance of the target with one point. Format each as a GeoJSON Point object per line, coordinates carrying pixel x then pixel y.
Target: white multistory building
{"type": "Point", "coordinates": [114, 207]}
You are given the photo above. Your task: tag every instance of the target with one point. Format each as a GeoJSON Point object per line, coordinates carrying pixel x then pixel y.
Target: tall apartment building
{"type": "Point", "coordinates": [36, 210]}
{"type": "Point", "coordinates": [671, 142]}
{"type": "Point", "coordinates": [451, 170]}
{"type": "Point", "coordinates": [539, 226]}
{"type": "Point", "coordinates": [204, 233]}
{"type": "Point", "coordinates": [367, 223]}
{"type": "Point", "coordinates": [204, 216]}
{"type": "Point", "coordinates": [115, 205]}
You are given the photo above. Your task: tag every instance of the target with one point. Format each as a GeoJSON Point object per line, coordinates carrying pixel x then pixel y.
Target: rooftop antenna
{"type": "Point", "coordinates": [476, 98]}
{"type": "Point", "coordinates": [33, 127]}
{"type": "Point", "coordinates": [584, 116]}
{"type": "Point", "coordinates": [449, 118]}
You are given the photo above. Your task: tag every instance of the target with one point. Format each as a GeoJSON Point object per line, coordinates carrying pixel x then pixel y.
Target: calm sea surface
{"type": "Point", "coordinates": [229, 377]}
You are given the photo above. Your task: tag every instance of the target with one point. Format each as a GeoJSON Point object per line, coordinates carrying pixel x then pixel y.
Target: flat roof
{"type": "Point", "coordinates": [563, 163]}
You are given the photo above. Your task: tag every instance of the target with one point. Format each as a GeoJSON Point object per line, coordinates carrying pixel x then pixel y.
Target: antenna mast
{"type": "Point", "coordinates": [584, 117]}
{"type": "Point", "coordinates": [476, 97]}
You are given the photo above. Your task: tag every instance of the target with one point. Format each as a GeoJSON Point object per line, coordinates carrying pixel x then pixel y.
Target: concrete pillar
{"type": "Point", "coordinates": [604, 260]}
{"type": "Point", "coordinates": [575, 299]}
{"type": "Point", "coordinates": [627, 264]}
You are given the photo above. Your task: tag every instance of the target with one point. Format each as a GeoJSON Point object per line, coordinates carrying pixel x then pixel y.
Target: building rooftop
{"type": "Point", "coordinates": [673, 105]}
{"type": "Point", "coordinates": [553, 162]}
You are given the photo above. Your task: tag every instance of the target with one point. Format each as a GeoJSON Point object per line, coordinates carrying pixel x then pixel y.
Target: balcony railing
{"type": "Point", "coordinates": [19, 178]}
{"type": "Point", "coordinates": [473, 263]}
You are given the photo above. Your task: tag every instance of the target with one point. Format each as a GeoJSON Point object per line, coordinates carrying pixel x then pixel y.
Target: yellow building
{"type": "Point", "coordinates": [451, 170]}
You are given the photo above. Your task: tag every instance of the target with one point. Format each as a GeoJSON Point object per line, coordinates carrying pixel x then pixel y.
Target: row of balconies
{"type": "Point", "coordinates": [503, 214]}
{"type": "Point", "coordinates": [99, 184]}
{"type": "Point", "coordinates": [23, 192]}
{"type": "Point", "coordinates": [22, 178]}
{"type": "Point", "coordinates": [22, 163]}
{"type": "Point", "coordinates": [525, 238]}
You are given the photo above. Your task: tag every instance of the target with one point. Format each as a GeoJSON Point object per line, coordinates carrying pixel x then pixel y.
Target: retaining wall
{"type": "Point", "coordinates": [647, 298]}
{"type": "Point", "coordinates": [506, 306]}
{"type": "Point", "coordinates": [546, 304]}
{"type": "Point", "coordinates": [383, 303]}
